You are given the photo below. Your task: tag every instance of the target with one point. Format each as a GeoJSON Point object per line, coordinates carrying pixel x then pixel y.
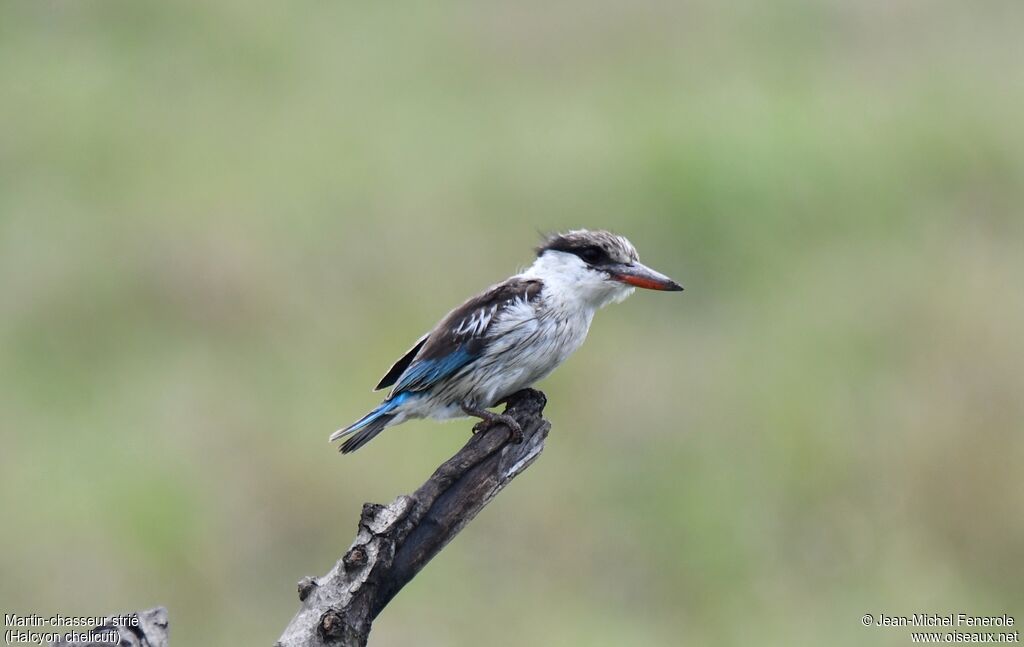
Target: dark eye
{"type": "Point", "coordinates": [590, 255]}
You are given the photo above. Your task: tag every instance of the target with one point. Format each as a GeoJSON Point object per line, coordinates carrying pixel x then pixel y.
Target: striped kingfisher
{"type": "Point", "coordinates": [510, 336]}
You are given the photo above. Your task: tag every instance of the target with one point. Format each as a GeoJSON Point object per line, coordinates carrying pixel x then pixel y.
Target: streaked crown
{"type": "Point", "coordinates": [594, 247]}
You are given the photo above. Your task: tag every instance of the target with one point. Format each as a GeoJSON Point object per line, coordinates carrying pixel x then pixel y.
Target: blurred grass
{"type": "Point", "coordinates": [220, 222]}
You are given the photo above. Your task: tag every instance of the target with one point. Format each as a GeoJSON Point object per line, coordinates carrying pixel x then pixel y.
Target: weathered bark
{"type": "Point", "coordinates": [151, 630]}
{"type": "Point", "coordinates": [392, 545]}
{"type": "Point", "coordinates": [395, 541]}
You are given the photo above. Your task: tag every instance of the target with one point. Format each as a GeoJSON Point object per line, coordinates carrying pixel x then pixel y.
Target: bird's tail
{"type": "Point", "coordinates": [369, 425]}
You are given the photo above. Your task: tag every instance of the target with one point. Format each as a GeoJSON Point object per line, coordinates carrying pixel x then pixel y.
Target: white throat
{"type": "Point", "coordinates": [569, 280]}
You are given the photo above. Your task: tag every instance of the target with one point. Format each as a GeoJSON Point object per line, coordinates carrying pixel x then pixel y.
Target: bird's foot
{"type": "Point", "coordinates": [489, 419]}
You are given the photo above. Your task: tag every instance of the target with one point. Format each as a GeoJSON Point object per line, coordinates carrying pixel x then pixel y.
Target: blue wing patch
{"type": "Point", "coordinates": [425, 373]}
{"type": "Point", "coordinates": [459, 339]}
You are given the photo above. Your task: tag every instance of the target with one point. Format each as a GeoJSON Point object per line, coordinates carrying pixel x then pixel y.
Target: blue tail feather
{"type": "Point", "coordinates": [369, 425]}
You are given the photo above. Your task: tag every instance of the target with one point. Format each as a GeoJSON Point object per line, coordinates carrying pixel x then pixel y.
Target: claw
{"type": "Point", "coordinates": [490, 419]}
{"type": "Point", "coordinates": [515, 435]}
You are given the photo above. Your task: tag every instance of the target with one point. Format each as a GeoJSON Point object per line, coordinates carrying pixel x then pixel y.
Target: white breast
{"type": "Point", "coordinates": [528, 342]}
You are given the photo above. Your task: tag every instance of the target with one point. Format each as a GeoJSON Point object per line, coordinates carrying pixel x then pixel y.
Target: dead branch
{"type": "Point", "coordinates": [394, 542]}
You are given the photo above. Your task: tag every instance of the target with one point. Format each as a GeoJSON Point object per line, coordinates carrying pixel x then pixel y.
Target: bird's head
{"type": "Point", "coordinates": [597, 266]}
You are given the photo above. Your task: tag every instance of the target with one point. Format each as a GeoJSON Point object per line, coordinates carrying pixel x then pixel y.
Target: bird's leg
{"type": "Point", "coordinates": [489, 419]}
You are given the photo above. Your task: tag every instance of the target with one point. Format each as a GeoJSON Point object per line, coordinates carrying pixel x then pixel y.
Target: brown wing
{"type": "Point", "coordinates": [403, 363]}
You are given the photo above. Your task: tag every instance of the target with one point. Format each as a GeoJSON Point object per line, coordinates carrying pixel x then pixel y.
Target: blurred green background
{"type": "Point", "coordinates": [221, 221]}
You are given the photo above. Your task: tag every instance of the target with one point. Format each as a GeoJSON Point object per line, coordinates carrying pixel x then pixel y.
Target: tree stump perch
{"type": "Point", "coordinates": [393, 542]}
{"type": "Point", "coordinates": [396, 541]}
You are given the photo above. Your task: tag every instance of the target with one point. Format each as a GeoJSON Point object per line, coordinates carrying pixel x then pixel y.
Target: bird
{"type": "Point", "coordinates": [508, 337]}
